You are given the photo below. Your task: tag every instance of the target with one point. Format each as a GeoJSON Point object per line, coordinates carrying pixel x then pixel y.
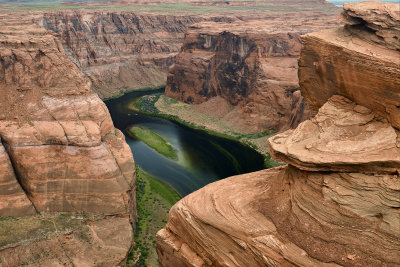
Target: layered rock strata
{"type": "Point", "coordinates": [358, 61]}
{"type": "Point", "coordinates": [336, 203]}
{"type": "Point", "coordinates": [251, 65]}
{"type": "Point", "coordinates": [126, 50]}
{"type": "Point", "coordinates": [120, 50]}
{"type": "Point", "coordinates": [13, 200]}
{"type": "Point", "coordinates": [63, 148]}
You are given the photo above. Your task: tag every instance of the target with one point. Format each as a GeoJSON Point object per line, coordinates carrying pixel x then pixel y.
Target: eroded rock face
{"type": "Point", "coordinates": [355, 65]}
{"type": "Point", "coordinates": [286, 217]}
{"type": "Point", "coordinates": [13, 200]}
{"type": "Point", "coordinates": [376, 22]}
{"type": "Point", "coordinates": [58, 134]}
{"type": "Point", "coordinates": [121, 50]}
{"type": "Point", "coordinates": [253, 65]}
{"type": "Point", "coordinates": [343, 137]}
{"type": "Point", "coordinates": [336, 203]}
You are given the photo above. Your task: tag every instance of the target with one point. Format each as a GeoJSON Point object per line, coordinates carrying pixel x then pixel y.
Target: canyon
{"type": "Point", "coordinates": [248, 67]}
{"type": "Point", "coordinates": [60, 153]}
{"type": "Point", "coordinates": [67, 180]}
{"type": "Point", "coordinates": [337, 201]}
{"type": "Point", "coordinates": [120, 51]}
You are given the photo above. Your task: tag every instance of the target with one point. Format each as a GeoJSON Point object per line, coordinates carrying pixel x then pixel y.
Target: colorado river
{"type": "Point", "coordinates": [202, 158]}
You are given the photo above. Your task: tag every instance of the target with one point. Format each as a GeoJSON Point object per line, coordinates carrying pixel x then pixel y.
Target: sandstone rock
{"type": "Point", "coordinates": [102, 242]}
{"type": "Point", "coordinates": [253, 65]}
{"type": "Point", "coordinates": [343, 137]}
{"type": "Point", "coordinates": [339, 62]}
{"type": "Point", "coordinates": [120, 50]}
{"type": "Point", "coordinates": [127, 50]}
{"type": "Point", "coordinates": [60, 138]}
{"type": "Point", "coordinates": [383, 19]}
{"type": "Point", "coordinates": [13, 200]}
{"type": "Point", "coordinates": [286, 217]}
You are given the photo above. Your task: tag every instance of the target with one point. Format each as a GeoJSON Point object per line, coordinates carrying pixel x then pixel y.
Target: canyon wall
{"type": "Point", "coordinates": [251, 65]}
{"type": "Point", "coordinates": [133, 46]}
{"type": "Point", "coordinates": [59, 149]}
{"type": "Point", "coordinates": [337, 202]}
{"type": "Point", "coordinates": [121, 51]}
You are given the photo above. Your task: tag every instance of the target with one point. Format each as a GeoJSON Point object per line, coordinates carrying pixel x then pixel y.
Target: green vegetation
{"type": "Point", "coordinates": [147, 103]}
{"type": "Point", "coordinates": [153, 140]}
{"type": "Point", "coordinates": [153, 201]}
{"type": "Point", "coordinates": [172, 109]}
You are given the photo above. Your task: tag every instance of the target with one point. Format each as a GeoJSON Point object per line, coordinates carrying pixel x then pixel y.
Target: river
{"type": "Point", "coordinates": [202, 158]}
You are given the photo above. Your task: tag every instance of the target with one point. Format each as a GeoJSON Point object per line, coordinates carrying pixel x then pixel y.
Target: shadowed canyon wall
{"type": "Point", "coordinates": [59, 150]}
{"type": "Point", "coordinates": [251, 65]}
{"type": "Point", "coordinates": [337, 201]}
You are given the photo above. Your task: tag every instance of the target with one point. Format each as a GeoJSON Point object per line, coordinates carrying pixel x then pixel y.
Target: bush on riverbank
{"type": "Point", "coordinates": [153, 202]}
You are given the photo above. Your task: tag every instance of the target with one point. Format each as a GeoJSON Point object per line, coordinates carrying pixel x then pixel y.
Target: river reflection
{"type": "Point", "coordinates": [202, 158]}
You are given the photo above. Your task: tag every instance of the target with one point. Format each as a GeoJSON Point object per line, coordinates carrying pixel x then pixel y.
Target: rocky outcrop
{"type": "Point", "coordinates": [374, 22]}
{"type": "Point", "coordinates": [252, 65]}
{"type": "Point", "coordinates": [342, 137]}
{"type": "Point", "coordinates": [363, 69]}
{"type": "Point", "coordinates": [64, 150]}
{"type": "Point", "coordinates": [336, 203]}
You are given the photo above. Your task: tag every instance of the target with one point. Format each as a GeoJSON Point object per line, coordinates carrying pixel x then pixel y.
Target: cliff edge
{"type": "Point", "coordinates": [337, 201]}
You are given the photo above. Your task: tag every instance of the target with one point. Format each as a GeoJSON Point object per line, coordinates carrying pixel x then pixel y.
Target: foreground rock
{"type": "Point", "coordinates": [289, 217]}
{"type": "Point", "coordinates": [64, 149]}
{"type": "Point", "coordinates": [337, 203]}
{"type": "Point", "coordinates": [250, 65]}
{"type": "Point", "coordinates": [59, 152]}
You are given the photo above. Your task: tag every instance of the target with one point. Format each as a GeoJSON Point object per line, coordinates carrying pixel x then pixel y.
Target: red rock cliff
{"type": "Point", "coordinates": [251, 65]}
{"type": "Point", "coordinates": [337, 201]}
{"type": "Point", "coordinates": [121, 50]}
{"type": "Point", "coordinates": [59, 145]}
{"type": "Point", "coordinates": [59, 152]}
